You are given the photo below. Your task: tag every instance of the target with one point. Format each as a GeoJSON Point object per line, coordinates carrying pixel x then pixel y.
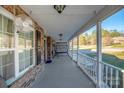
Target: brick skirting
{"type": "Point", "coordinates": [27, 79]}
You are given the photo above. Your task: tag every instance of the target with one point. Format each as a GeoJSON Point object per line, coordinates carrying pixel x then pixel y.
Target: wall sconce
{"type": "Point", "coordinates": [59, 8]}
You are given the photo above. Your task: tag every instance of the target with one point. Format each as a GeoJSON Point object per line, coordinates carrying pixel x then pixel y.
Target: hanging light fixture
{"type": "Point", "coordinates": [59, 8]}
{"type": "Point", "coordinates": [60, 36]}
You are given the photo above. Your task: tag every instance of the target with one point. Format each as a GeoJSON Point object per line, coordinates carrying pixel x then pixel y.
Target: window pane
{"type": "Point", "coordinates": [21, 40]}
{"type": "Point", "coordinates": [31, 37]}
{"type": "Point", "coordinates": [28, 41]}
{"type": "Point", "coordinates": [21, 60]}
{"type": "Point", "coordinates": [8, 40]}
{"type": "Point", "coordinates": [8, 71]}
{"type": "Point", "coordinates": [7, 64]}
{"type": "Point", "coordinates": [8, 25]}
{"type": "Point", "coordinates": [27, 60]}
{"type": "Point", "coordinates": [7, 58]}
{"type": "Point", "coordinates": [8, 33]}
{"type": "Point", "coordinates": [113, 39]}
{"type": "Point", "coordinates": [31, 56]}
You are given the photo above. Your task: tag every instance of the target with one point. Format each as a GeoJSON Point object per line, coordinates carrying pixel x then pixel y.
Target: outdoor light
{"type": "Point", "coordinates": [59, 8]}
{"type": "Point", "coordinates": [60, 36]}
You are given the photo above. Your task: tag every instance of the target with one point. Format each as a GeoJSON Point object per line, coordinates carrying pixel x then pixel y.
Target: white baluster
{"type": "Point", "coordinates": [93, 69]}
{"type": "Point", "coordinates": [106, 74]}
{"type": "Point", "coordinates": [91, 66]}
{"type": "Point", "coordinates": [96, 71]}
{"type": "Point", "coordinates": [111, 78]}
{"type": "Point", "coordinates": [117, 78]}
{"type": "Point", "coordinates": [102, 70]}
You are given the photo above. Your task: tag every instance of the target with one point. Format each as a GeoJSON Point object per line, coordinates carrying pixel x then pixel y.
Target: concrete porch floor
{"type": "Point", "coordinates": [62, 73]}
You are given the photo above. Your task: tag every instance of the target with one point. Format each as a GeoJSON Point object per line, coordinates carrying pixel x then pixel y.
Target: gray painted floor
{"type": "Point", "coordinates": [62, 73]}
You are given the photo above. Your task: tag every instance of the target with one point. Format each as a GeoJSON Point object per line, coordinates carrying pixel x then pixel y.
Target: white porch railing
{"type": "Point", "coordinates": [111, 76]}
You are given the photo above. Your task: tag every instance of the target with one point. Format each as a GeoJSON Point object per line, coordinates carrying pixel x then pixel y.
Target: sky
{"type": "Point", "coordinates": [114, 22]}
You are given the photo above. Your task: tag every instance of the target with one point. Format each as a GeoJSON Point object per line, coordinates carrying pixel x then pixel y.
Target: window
{"type": "Point", "coordinates": [25, 50]}
{"type": "Point", "coordinates": [87, 42]}
{"type": "Point", "coordinates": [7, 70]}
{"type": "Point", "coordinates": [113, 39]}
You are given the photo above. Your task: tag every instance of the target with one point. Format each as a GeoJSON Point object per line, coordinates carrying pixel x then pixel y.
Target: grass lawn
{"type": "Point", "coordinates": [118, 46]}
{"type": "Point", "coordinates": [116, 59]}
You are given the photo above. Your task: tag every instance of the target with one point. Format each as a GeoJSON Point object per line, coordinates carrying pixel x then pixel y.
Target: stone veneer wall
{"type": "Point", "coordinates": [27, 79]}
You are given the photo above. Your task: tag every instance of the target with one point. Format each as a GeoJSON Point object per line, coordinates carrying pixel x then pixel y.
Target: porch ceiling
{"type": "Point", "coordinates": [71, 19]}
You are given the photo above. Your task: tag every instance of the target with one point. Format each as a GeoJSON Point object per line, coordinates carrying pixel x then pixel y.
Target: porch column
{"type": "Point", "coordinates": [72, 49]}
{"type": "Point", "coordinates": [69, 48]}
{"type": "Point", "coordinates": [68, 43]}
{"type": "Point", "coordinates": [99, 53]}
{"type": "Point", "coordinates": [77, 47]}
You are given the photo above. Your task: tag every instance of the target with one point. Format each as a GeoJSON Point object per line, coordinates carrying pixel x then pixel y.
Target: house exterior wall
{"type": "Point", "coordinates": [14, 11]}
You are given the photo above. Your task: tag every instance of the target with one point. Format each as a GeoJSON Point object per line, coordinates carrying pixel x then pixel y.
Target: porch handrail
{"type": "Point", "coordinates": [110, 74]}
{"type": "Point", "coordinates": [102, 62]}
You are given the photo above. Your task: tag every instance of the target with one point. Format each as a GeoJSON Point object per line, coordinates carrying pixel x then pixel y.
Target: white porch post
{"type": "Point", "coordinates": [77, 47]}
{"type": "Point", "coordinates": [69, 47]}
{"type": "Point", "coordinates": [72, 49]}
{"type": "Point", "coordinates": [99, 53]}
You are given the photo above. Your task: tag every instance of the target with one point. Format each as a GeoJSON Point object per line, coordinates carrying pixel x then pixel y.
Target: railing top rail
{"type": "Point", "coordinates": [88, 57]}
{"type": "Point", "coordinates": [112, 66]}
{"type": "Point", "coordinates": [109, 65]}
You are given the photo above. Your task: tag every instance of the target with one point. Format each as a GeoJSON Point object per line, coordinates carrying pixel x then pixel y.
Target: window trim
{"type": "Point", "coordinates": [5, 13]}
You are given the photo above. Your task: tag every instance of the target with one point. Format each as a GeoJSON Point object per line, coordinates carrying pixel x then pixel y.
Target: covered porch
{"type": "Point", "coordinates": [66, 47]}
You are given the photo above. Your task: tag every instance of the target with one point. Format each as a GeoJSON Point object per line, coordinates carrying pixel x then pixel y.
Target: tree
{"type": "Point", "coordinates": [86, 37]}
{"type": "Point", "coordinates": [115, 33]}
{"type": "Point", "coordinates": [82, 40]}
{"type": "Point", "coordinates": [106, 37]}
{"type": "Point", "coordinates": [93, 38]}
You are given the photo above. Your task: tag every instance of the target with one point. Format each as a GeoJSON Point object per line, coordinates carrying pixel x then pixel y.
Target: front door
{"type": "Point", "coordinates": [38, 47]}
